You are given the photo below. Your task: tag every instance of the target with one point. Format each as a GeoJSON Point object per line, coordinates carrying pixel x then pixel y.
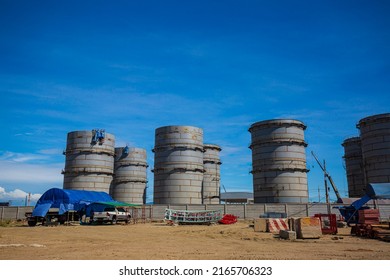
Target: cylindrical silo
{"type": "Point", "coordinates": [178, 165]}
{"type": "Point", "coordinates": [89, 162]}
{"type": "Point", "coordinates": [279, 161]}
{"type": "Point", "coordinates": [375, 137]}
{"type": "Point", "coordinates": [130, 177]}
{"type": "Point", "coordinates": [354, 166]}
{"type": "Point", "coordinates": [211, 177]}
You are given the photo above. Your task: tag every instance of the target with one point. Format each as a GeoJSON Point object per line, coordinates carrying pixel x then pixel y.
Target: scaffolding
{"type": "Point", "coordinates": [192, 217]}
{"type": "Point", "coordinates": [142, 214]}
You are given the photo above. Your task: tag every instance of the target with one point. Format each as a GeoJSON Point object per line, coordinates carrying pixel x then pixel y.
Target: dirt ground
{"type": "Point", "coordinates": [159, 241]}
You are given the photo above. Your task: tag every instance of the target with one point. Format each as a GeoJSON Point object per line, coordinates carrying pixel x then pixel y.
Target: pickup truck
{"type": "Point", "coordinates": [111, 215]}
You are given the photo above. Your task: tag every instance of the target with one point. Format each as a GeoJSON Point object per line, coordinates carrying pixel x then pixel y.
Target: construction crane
{"type": "Point", "coordinates": [327, 175]}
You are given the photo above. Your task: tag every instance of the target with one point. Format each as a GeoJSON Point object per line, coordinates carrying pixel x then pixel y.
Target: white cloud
{"type": "Point", "coordinates": [21, 157]}
{"type": "Point", "coordinates": [51, 151]}
{"type": "Point", "coordinates": [24, 134]}
{"type": "Point", "coordinates": [18, 195]}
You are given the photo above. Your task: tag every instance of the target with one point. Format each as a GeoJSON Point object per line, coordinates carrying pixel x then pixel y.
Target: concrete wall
{"type": "Point", "coordinates": [243, 211]}
{"type": "Point", "coordinates": [14, 212]}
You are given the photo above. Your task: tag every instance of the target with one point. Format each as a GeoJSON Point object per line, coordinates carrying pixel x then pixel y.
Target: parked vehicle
{"type": "Point", "coordinates": [52, 217]}
{"type": "Point", "coordinates": [111, 215]}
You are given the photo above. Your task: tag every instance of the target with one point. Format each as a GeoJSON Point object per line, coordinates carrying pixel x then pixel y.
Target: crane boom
{"type": "Point", "coordinates": [336, 191]}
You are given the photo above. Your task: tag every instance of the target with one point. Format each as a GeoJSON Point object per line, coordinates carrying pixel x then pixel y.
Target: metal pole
{"type": "Point", "coordinates": [286, 209]}
{"type": "Point", "coordinates": [202, 191]}
{"type": "Point", "coordinates": [326, 190]}
{"type": "Point", "coordinates": [319, 194]}
{"type": "Point", "coordinates": [307, 210]}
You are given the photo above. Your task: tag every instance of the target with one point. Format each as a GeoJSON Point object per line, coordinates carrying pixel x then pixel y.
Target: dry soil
{"type": "Point", "coordinates": [159, 241]}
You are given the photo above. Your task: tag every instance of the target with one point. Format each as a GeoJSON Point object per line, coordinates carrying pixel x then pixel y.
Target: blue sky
{"type": "Point", "coordinates": [132, 66]}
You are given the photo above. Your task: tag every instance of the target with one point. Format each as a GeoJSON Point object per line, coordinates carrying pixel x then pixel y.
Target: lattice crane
{"type": "Point", "coordinates": [327, 175]}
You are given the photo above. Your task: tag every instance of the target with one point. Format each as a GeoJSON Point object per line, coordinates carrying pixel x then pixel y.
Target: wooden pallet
{"type": "Point", "coordinates": [374, 231]}
{"type": "Point", "coordinates": [382, 234]}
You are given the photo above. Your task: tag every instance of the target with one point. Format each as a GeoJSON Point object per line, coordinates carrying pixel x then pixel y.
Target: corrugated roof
{"type": "Point", "coordinates": [236, 195]}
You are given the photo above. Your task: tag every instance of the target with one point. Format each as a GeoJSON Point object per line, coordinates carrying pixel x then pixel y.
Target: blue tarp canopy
{"type": "Point", "coordinates": [373, 191]}
{"type": "Point", "coordinates": [378, 190]}
{"type": "Point", "coordinates": [67, 200]}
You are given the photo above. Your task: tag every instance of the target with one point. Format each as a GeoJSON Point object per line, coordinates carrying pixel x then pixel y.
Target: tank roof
{"type": "Point", "coordinates": [278, 122]}
{"type": "Point", "coordinates": [374, 118]}
{"type": "Point", "coordinates": [212, 146]}
{"type": "Point", "coordinates": [351, 140]}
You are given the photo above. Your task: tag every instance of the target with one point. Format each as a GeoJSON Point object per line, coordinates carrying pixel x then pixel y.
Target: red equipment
{"type": "Point", "coordinates": [328, 223]}
{"type": "Point", "coordinates": [228, 219]}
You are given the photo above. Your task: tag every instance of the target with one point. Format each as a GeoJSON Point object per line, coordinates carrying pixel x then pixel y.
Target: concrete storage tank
{"type": "Point", "coordinates": [375, 137]}
{"type": "Point", "coordinates": [211, 177]}
{"type": "Point", "coordinates": [130, 177]}
{"type": "Point", "coordinates": [279, 161]}
{"type": "Point", "coordinates": [89, 162]}
{"type": "Point", "coordinates": [354, 166]}
{"type": "Point", "coordinates": [178, 165]}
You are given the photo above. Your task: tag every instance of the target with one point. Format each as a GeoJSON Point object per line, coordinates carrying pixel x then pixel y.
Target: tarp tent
{"type": "Point", "coordinates": [373, 191]}
{"type": "Point", "coordinates": [67, 200]}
